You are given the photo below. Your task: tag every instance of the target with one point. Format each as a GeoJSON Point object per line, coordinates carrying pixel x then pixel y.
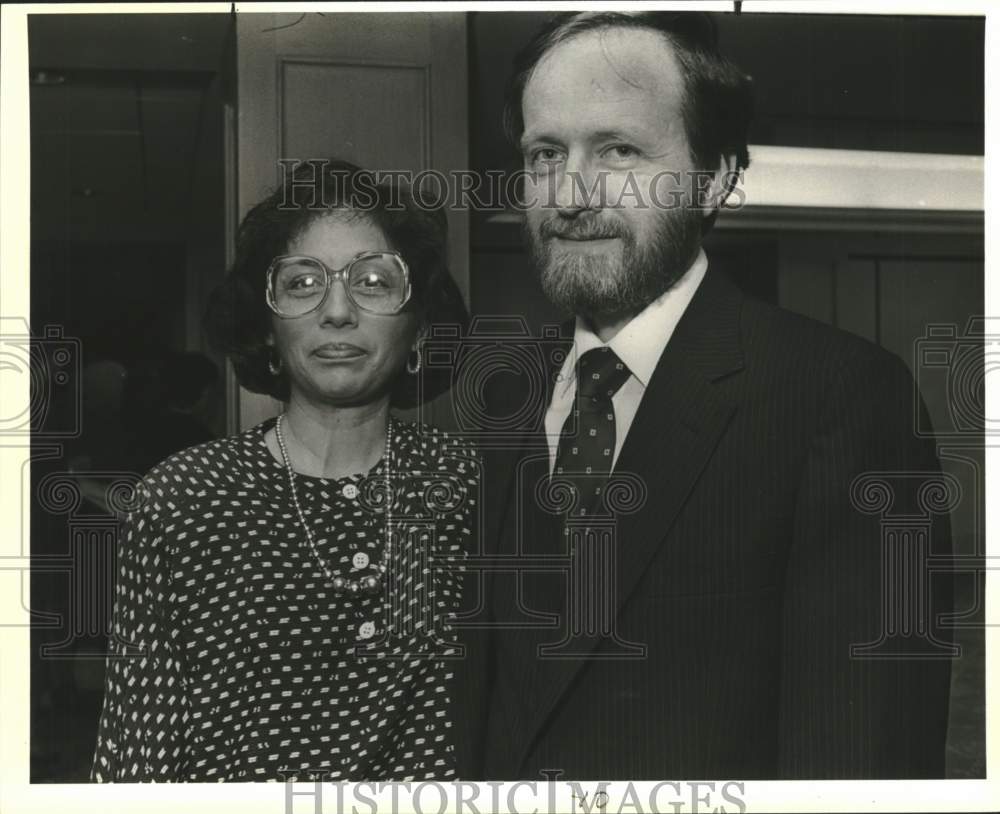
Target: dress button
{"type": "Point", "coordinates": [366, 630]}
{"type": "Point", "coordinates": [350, 491]}
{"type": "Point", "coordinates": [360, 560]}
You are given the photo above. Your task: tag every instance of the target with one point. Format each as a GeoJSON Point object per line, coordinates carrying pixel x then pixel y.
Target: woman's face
{"type": "Point", "coordinates": [339, 354]}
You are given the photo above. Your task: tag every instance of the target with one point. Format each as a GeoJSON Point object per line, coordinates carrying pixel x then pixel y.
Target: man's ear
{"type": "Point", "coordinates": [714, 195]}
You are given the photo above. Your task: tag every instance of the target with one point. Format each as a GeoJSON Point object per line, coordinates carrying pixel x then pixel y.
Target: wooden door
{"type": "Point", "coordinates": [383, 90]}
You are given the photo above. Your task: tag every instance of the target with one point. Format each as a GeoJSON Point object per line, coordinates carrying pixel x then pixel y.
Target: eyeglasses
{"type": "Point", "coordinates": [376, 282]}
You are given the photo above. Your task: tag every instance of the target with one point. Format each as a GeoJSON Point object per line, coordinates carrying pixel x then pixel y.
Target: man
{"type": "Point", "coordinates": [696, 582]}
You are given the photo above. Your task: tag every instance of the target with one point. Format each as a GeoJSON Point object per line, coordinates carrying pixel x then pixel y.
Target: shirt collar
{"type": "Point", "coordinates": [642, 341]}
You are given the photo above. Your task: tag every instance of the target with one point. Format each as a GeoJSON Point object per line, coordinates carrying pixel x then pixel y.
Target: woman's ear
{"type": "Point", "coordinates": [423, 330]}
{"type": "Point", "coordinates": [274, 361]}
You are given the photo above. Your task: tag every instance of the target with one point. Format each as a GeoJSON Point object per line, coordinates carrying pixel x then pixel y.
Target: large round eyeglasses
{"type": "Point", "coordinates": [377, 282]}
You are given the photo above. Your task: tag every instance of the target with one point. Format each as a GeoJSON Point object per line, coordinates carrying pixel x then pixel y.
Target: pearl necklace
{"type": "Point", "coordinates": [371, 584]}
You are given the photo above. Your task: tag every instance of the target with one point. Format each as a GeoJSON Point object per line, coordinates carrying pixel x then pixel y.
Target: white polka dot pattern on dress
{"type": "Point", "coordinates": [233, 659]}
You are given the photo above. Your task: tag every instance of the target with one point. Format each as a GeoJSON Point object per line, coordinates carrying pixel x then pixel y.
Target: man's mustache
{"type": "Point", "coordinates": [581, 229]}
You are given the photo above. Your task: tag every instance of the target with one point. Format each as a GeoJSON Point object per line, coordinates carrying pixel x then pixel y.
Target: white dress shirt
{"type": "Point", "coordinates": [639, 345]}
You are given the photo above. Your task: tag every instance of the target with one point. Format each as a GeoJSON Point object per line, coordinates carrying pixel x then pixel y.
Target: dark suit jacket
{"type": "Point", "coordinates": [735, 594]}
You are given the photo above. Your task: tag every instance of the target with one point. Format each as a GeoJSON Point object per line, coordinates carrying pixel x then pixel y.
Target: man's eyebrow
{"type": "Point", "coordinates": [527, 138]}
{"type": "Point", "coordinates": [610, 135]}
{"type": "Point", "coordinates": [599, 135]}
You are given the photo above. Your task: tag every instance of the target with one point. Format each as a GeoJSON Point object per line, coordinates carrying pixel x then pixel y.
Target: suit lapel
{"type": "Point", "coordinates": [684, 412]}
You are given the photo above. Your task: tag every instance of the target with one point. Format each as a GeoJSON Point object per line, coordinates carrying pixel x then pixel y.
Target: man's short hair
{"type": "Point", "coordinates": [718, 97]}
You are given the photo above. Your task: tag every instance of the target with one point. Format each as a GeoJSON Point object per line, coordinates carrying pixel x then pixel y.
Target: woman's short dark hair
{"type": "Point", "coordinates": [238, 319]}
{"type": "Point", "coordinates": [717, 103]}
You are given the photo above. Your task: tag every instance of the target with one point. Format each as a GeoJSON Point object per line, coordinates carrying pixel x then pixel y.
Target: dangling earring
{"type": "Point", "coordinates": [274, 363]}
{"type": "Point", "coordinates": [414, 367]}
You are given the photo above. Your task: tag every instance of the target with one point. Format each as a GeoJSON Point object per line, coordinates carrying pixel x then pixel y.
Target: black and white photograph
{"type": "Point", "coordinates": [497, 407]}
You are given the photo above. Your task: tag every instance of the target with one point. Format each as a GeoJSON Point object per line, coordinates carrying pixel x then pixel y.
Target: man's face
{"type": "Point", "coordinates": [602, 114]}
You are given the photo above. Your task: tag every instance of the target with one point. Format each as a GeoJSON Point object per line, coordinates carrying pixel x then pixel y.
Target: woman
{"type": "Point", "coordinates": [276, 617]}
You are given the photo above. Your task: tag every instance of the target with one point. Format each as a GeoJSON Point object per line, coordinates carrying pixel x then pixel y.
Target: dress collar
{"type": "Point", "coordinates": [409, 456]}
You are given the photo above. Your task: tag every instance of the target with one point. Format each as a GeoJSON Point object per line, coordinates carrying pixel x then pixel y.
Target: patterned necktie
{"type": "Point", "coordinates": [587, 443]}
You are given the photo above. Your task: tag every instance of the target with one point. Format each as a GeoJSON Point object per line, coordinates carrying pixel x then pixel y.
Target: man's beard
{"type": "Point", "coordinates": [599, 284]}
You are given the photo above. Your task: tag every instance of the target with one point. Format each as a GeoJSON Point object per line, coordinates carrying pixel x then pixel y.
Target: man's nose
{"type": "Point", "coordinates": [580, 187]}
{"type": "Point", "coordinates": [339, 309]}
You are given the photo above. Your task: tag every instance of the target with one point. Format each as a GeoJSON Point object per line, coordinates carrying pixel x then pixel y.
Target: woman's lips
{"type": "Point", "coordinates": [338, 351]}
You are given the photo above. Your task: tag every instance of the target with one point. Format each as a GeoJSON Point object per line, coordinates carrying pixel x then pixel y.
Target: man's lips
{"type": "Point", "coordinates": [587, 239]}
{"type": "Point", "coordinates": [578, 235]}
{"type": "Point", "coordinates": [582, 243]}
{"type": "Point", "coordinates": [338, 350]}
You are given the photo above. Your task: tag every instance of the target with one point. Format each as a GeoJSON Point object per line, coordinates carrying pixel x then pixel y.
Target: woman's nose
{"type": "Point", "coordinates": [339, 309]}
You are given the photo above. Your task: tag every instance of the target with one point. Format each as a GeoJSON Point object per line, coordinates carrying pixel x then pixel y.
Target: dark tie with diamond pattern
{"type": "Point", "coordinates": [587, 443]}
